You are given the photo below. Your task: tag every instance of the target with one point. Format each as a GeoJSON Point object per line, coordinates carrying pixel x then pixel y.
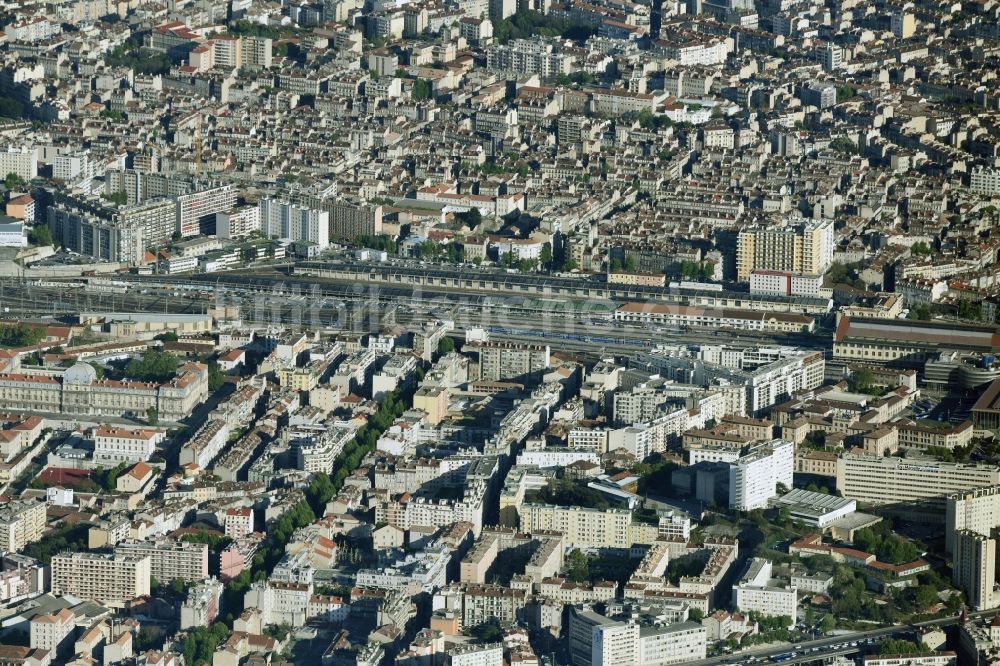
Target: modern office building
{"type": "Point", "coordinates": [889, 481]}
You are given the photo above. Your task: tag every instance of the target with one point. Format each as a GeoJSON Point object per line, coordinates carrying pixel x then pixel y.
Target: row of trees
{"type": "Point", "coordinates": [526, 23]}
{"type": "Point", "coordinates": [20, 335]}
{"type": "Point", "coordinates": [887, 546]}
{"type": "Point", "coordinates": [153, 366]}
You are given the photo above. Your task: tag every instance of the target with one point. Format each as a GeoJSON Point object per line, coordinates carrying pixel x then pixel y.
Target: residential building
{"type": "Point", "coordinates": [756, 592]}
{"type": "Point", "coordinates": [507, 360]}
{"type": "Point", "coordinates": [754, 478]}
{"type": "Point", "coordinates": [116, 445]}
{"type": "Point", "coordinates": [110, 579]}
{"type": "Point", "coordinates": [281, 219]}
{"type": "Point", "coordinates": [974, 568]}
{"type": "Point", "coordinates": [169, 559]}
{"type": "Point", "coordinates": [796, 245]}
{"type": "Point", "coordinates": [196, 211]}
{"type": "Point", "coordinates": [21, 522]}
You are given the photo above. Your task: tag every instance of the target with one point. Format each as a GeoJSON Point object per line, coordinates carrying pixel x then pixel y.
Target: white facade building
{"type": "Point", "coordinates": [281, 219]}
{"type": "Point", "coordinates": [753, 479]}
{"type": "Point", "coordinates": [756, 592]}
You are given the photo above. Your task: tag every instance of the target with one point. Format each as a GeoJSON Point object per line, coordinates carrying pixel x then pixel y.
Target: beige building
{"type": "Point", "coordinates": [638, 279]}
{"type": "Point", "coordinates": [108, 579]}
{"type": "Point", "coordinates": [797, 246]}
{"type": "Point", "coordinates": [944, 435]}
{"type": "Point", "coordinates": [581, 527]}
{"type": "Point", "coordinates": [21, 523]}
{"type": "Point", "coordinates": [78, 391]}
{"type": "Point", "coordinates": [434, 401]}
{"type": "Point", "coordinates": [170, 560]}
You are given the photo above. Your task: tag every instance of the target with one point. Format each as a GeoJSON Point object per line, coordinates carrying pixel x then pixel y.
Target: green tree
{"type": "Point", "coordinates": [41, 236]}
{"type": "Point", "coordinates": [13, 181]}
{"type": "Point", "coordinates": [896, 646]}
{"type": "Point", "coordinates": [422, 90]}
{"type": "Point", "coordinates": [577, 567]}
{"type": "Point", "coordinates": [152, 416]}
{"type": "Point", "coordinates": [445, 345]}
{"type": "Point", "coordinates": [319, 492]}
{"type": "Point", "coordinates": [863, 380]}
{"type": "Point", "coordinates": [845, 93]}
{"type": "Point", "coordinates": [154, 366]}
{"type": "Point", "coordinates": [471, 218]}
{"type": "Point", "coordinates": [216, 378]}
{"type": "Point", "coordinates": [827, 624]}
{"type": "Point", "coordinates": [546, 256]}
{"type": "Point", "coordinates": [177, 586]}
{"type": "Point", "coordinates": [11, 108]}
{"type": "Point", "coordinates": [20, 335]}
{"type": "Point", "coordinates": [169, 336]}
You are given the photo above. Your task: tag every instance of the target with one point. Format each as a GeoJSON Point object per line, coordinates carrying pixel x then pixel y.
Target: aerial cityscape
{"type": "Point", "coordinates": [499, 332]}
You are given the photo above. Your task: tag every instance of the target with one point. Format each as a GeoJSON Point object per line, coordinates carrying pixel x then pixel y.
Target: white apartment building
{"type": "Point", "coordinates": [679, 643]}
{"type": "Point", "coordinates": [507, 360]}
{"type": "Point", "coordinates": [982, 180]}
{"type": "Point", "coordinates": [753, 479]}
{"type": "Point", "coordinates": [974, 568]}
{"type": "Point", "coordinates": [238, 522]}
{"type": "Point", "coordinates": [115, 445]}
{"type": "Point", "coordinates": [796, 245]}
{"type": "Point", "coordinates": [53, 632]}
{"type": "Point", "coordinates": [20, 160]}
{"type": "Point", "coordinates": [108, 579]}
{"type": "Point", "coordinates": [783, 283]}
{"type": "Point", "coordinates": [490, 654]}
{"type": "Point", "coordinates": [976, 510]}
{"type": "Point", "coordinates": [756, 592]}
{"type": "Point", "coordinates": [196, 211]}
{"type": "Point", "coordinates": [202, 604]}
{"type": "Point", "coordinates": [528, 56]}
{"type": "Point", "coordinates": [238, 223]}
{"type": "Point", "coordinates": [281, 219]}
{"type": "Point", "coordinates": [552, 456]}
